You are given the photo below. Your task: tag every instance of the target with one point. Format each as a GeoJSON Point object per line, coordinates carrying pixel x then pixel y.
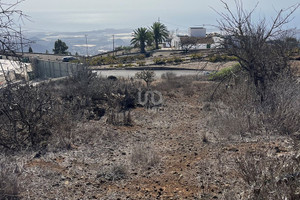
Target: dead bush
{"type": "Point", "coordinates": [283, 106]}
{"type": "Point", "coordinates": [119, 119]}
{"type": "Point", "coordinates": [24, 112]}
{"type": "Point", "coordinates": [237, 110]}
{"type": "Point", "coordinates": [269, 177]}
{"type": "Point", "coordinates": [233, 112]}
{"type": "Point", "coordinates": [175, 83]}
{"type": "Point", "coordinates": [30, 115]}
{"type": "Point", "coordinates": [168, 75]}
{"type": "Point", "coordinates": [114, 173]}
{"type": "Point", "coordinates": [144, 157]}
{"type": "Point", "coordinates": [9, 185]}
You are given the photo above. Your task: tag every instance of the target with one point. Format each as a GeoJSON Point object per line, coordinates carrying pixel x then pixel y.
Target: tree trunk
{"type": "Point", "coordinates": [143, 48]}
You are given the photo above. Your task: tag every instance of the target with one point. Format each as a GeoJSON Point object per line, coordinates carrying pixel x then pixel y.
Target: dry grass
{"type": "Point", "coordinates": [236, 115]}
{"type": "Point", "coordinates": [144, 157]}
{"type": "Point", "coordinates": [9, 183]}
{"type": "Point", "coordinates": [237, 111]}
{"type": "Point", "coordinates": [269, 177]}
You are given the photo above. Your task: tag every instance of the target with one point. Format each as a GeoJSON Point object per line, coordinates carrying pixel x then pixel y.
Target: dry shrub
{"type": "Point", "coordinates": [171, 83]}
{"type": "Point", "coordinates": [237, 109]}
{"type": "Point", "coordinates": [116, 172]}
{"type": "Point", "coordinates": [119, 118]}
{"type": "Point", "coordinates": [24, 112]}
{"type": "Point", "coordinates": [269, 177]}
{"type": "Point", "coordinates": [168, 76]}
{"type": "Point", "coordinates": [203, 89]}
{"type": "Point", "coordinates": [144, 156]}
{"type": "Point", "coordinates": [9, 186]}
{"type": "Point", "coordinates": [31, 115]}
{"type": "Point", "coordinates": [233, 112]}
{"type": "Point", "coordinates": [283, 105]}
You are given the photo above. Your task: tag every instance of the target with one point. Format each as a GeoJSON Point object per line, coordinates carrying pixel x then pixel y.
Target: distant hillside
{"type": "Point", "coordinates": [98, 41]}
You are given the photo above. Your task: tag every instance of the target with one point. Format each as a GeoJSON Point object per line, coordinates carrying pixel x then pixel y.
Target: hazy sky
{"type": "Point", "coordinates": [85, 15]}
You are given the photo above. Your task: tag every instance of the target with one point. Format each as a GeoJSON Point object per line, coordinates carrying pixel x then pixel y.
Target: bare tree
{"type": "Point", "coordinates": [147, 76]}
{"type": "Point", "coordinates": [187, 42]}
{"type": "Point", "coordinates": [10, 33]}
{"type": "Point", "coordinates": [260, 46]}
{"type": "Point", "coordinates": [11, 38]}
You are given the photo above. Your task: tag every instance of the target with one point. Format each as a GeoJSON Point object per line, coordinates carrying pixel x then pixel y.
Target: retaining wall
{"type": "Point", "coordinates": [50, 69]}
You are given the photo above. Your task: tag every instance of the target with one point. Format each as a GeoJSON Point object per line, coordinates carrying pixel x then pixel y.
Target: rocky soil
{"type": "Point", "coordinates": [170, 152]}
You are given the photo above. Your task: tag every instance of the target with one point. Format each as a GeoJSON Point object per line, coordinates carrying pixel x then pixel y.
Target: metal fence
{"type": "Point", "coordinates": [51, 69]}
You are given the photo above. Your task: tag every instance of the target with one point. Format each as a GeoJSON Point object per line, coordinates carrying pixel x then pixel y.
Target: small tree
{"type": "Point", "coordinates": [60, 47]}
{"type": "Point", "coordinates": [146, 75]}
{"type": "Point", "coordinates": [30, 50]}
{"type": "Point", "coordinates": [188, 42]}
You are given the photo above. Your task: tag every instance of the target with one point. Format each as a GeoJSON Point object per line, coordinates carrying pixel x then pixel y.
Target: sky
{"type": "Point", "coordinates": [88, 15]}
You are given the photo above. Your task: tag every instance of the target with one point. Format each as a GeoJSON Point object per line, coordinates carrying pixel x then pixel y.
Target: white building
{"type": "Point", "coordinates": [197, 32]}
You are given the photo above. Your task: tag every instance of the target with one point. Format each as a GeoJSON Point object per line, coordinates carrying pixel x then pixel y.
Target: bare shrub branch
{"type": "Point", "coordinates": [261, 49]}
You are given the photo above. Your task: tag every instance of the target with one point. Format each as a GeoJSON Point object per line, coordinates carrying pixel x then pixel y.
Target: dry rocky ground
{"type": "Point", "coordinates": [170, 152]}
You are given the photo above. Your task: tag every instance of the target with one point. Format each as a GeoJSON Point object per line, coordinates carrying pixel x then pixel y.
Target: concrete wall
{"type": "Point", "coordinates": [51, 69]}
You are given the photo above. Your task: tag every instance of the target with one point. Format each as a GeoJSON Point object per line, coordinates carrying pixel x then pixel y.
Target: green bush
{"type": "Point", "coordinates": [129, 65]}
{"type": "Point", "coordinates": [141, 63]}
{"type": "Point", "coordinates": [120, 65]}
{"type": "Point", "coordinates": [222, 58]}
{"type": "Point", "coordinates": [159, 61]}
{"type": "Point", "coordinates": [177, 60]}
{"type": "Point", "coordinates": [109, 60]}
{"type": "Point", "coordinates": [196, 56]}
{"type": "Point", "coordinates": [139, 57]}
{"type": "Point", "coordinates": [225, 72]}
{"type": "Point", "coordinates": [174, 60]}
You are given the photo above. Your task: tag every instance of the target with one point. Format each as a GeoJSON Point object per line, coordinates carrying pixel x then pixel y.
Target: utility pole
{"type": "Point", "coordinates": [87, 47]}
{"type": "Point", "coordinates": [158, 19]}
{"type": "Point", "coordinates": [21, 39]}
{"type": "Point", "coordinates": [113, 44]}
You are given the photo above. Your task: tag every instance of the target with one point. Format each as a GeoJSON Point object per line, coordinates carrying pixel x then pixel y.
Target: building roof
{"type": "Point", "coordinates": [197, 27]}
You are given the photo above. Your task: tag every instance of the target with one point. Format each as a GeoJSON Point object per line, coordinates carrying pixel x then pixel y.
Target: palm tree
{"type": "Point", "coordinates": [160, 33]}
{"type": "Point", "coordinates": [140, 38]}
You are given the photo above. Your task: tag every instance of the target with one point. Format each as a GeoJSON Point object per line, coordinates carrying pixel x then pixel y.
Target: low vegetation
{"type": "Point", "coordinates": [30, 115]}
{"type": "Point", "coordinates": [221, 58]}
{"type": "Point", "coordinates": [231, 135]}
{"type": "Point", "coordinates": [108, 60]}
{"type": "Point", "coordinates": [226, 73]}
